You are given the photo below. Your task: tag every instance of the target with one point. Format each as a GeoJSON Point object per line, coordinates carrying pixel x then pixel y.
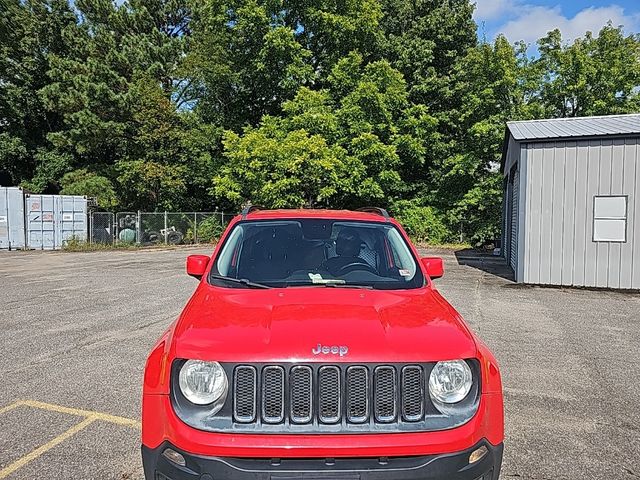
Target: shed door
{"type": "Point", "coordinates": [513, 247]}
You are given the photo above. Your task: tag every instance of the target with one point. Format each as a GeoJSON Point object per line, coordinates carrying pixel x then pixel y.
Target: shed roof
{"type": "Point", "coordinates": [575, 127]}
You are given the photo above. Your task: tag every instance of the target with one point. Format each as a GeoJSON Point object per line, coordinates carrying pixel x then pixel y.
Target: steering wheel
{"type": "Point", "coordinates": [356, 265]}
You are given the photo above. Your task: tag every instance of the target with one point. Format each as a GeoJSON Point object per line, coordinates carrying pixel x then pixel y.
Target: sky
{"type": "Point", "coordinates": [530, 20]}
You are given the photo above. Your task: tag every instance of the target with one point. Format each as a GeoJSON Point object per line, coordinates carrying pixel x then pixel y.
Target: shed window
{"type": "Point", "coordinates": [610, 219]}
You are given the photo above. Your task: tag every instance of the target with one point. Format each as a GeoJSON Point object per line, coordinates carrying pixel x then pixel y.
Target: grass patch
{"type": "Point", "coordinates": [77, 245]}
{"type": "Point", "coordinates": [443, 246]}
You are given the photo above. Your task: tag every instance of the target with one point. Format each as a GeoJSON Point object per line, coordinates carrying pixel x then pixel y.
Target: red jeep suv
{"type": "Point", "coordinates": [317, 347]}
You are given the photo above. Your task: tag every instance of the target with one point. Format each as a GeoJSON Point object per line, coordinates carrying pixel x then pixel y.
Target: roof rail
{"type": "Point", "coordinates": [248, 209]}
{"type": "Point", "coordinates": [376, 210]}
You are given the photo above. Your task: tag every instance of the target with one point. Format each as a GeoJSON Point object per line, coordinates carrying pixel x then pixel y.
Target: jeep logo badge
{"type": "Point", "coordinates": [341, 350]}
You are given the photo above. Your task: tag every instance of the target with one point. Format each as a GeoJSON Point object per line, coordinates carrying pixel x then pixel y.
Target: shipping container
{"type": "Point", "coordinates": [11, 218]}
{"type": "Point", "coordinates": [52, 220]}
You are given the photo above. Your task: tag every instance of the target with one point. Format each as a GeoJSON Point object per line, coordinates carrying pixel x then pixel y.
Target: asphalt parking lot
{"type": "Point", "coordinates": [76, 328]}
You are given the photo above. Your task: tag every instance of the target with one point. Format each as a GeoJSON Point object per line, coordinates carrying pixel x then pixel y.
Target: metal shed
{"type": "Point", "coordinates": [572, 201]}
{"type": "Point", "coordinates": [11, 218]}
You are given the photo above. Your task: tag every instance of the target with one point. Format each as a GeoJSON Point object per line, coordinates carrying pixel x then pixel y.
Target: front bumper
{"type": "Point", "coordinates": [450, 466]}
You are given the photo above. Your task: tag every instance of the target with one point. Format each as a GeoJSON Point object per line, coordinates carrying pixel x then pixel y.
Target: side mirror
{"type": "Point", "coordinates": [197, 265]}
{"type": "Point", "coordinates": [434, 266]}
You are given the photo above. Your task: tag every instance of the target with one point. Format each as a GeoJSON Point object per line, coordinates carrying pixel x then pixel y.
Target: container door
{"type": "Point", "coordinates": [72, 219]}
{"type": "Point", "coordinates": [4, 218]}
{"type": "Point", "coordinates": [40, 213]}
{"type": "Point", "coordinates": [15, 217]}
{"type": "Point", "coordinates": [11, 218]}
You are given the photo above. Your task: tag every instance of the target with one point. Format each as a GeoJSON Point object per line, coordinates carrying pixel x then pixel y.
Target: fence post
{"type": "Point", "coordinates": [112, 227]}
{"type": "Point", "coordinates": [91, 227]}
{"type": "Point", "coordinates": [165, 227]}
{"type": "Point", "coordinates": [195, 227]}
{"type": "Point", "coordinates": [138, 227]}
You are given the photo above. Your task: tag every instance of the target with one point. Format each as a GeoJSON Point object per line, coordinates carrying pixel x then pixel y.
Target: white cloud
{"type": "Point", "coordinates": [531, 22]}
{"type": "Point", "coordinates": [493, 9]}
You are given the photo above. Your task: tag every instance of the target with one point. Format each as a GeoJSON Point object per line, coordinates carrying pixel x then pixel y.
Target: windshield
{"type": "Point", "coordinates": [315, 253]}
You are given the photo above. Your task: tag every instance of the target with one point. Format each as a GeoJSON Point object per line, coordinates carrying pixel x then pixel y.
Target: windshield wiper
{"type": "Point", "coordinates": [330, 284]}
{"type": "Point", "coordinates": [242, 281]}
{"type": "Point", "coordinates": [349, 285]}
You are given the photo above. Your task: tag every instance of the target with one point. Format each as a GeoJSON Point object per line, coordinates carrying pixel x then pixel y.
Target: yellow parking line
{"type": "Point", "coordinates": [90, 416]}
{"type": "Point", "coordinates": [8, 408]}
{"type": "Point", "coordinates": [82, 413]}
{"type": "Point", "coordinates": [8, 470]}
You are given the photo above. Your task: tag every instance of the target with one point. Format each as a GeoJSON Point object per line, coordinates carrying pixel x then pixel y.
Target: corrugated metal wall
{"type": "Point", "coordinates": [561, 182]}
{"type": "Point", "coordinates": [513, 243]}
{"type": "Point", "coordinates": [54, 219]}
{"type": "Point", "coordinates": [512, 215]}
{"type": "Point", "coordinates": [11, 218]}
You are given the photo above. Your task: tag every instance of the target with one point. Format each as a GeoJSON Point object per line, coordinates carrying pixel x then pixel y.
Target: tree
{"type": "Point", "coordinates": [166, 160]}
{"type": "Point", "coordinates": [282, 169]}
{"type": "Point", "coordinates": [82, 182]}
{"type": "Point", "coordinates": [30, 33]}
{"type": "Point", "coordinates": [425, 40]}
{"type": "Point", "coordinates": [593, 76]}
{"type": "Point", "coordinates": [355, 143]}
{"type": "Point", "coordinates": [498, 82]}
{"type": "Point", "coordinates": [185, 104]}
{"type": "Point", "coordinates": [244, 62]}
{"type": "Point", "coordinates": [331, 30]}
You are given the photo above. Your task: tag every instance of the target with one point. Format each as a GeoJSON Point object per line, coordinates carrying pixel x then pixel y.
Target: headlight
{"type": "Point", "coordinates": [204, 383]}
{"type": "Point", "coordinates": [450, 381]}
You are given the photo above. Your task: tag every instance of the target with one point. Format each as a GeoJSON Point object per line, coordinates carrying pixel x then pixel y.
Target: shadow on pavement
{"type": "Point", "coordinates": [485, 261]}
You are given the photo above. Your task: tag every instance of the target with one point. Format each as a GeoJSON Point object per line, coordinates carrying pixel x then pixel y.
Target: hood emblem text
{"type": "Point", "coordinates": [341, 350]}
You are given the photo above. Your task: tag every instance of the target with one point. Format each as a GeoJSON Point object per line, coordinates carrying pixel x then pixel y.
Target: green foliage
{"type": "Point", "coordinates": [146, 185]}
{"type": "Point", "coordinates": [281, 169]}
{"type": "Point", "coordinates": [13, 156]}
{"type": "Point", "coordinates": [207, 230]}
{"type": "Point", "coordinates": [593, 76]}
{"type": "Point", "coordinates": [421, 222]}
{"type": "Point", "coordinates": [348, 145]}
{"type": "Point", "coordinates": [74, 244]}
{"type": "Point", "coordinates": [191, 105]}
{"type": "Point", "coordinates": [82, 182]}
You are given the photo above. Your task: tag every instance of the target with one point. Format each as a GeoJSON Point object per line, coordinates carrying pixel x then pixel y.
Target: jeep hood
{"type": "Point", "coordinates": [285, 325]}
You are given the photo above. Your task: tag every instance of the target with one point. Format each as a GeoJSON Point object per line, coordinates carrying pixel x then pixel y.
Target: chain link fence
{"type": "Point", "coordinates": [101, 227]}
{"type": "Point", "coordinates": [152, 228]}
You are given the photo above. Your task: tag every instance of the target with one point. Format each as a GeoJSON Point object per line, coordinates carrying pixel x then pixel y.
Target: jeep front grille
{"type": "Point", "coordinates": [413, 388]}
{"type": "Point", "coordinates": [357, 394]}
{"type": "Point", "coordinates": [244, 399]}
{"type": "Point", "coordinates": [329, 397]}
{"type": "Point", "coordinates": [326, 395]}
{"type": "Point", "coordinates": [272, 397]}
{"type": "Point", "coordinates": [301, 392]}
{"type": "Point", "coordinates": [314, 398]}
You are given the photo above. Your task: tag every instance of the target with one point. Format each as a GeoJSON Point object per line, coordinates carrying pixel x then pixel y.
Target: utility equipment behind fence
{"type": "Point", "coordinates": [151, 228]}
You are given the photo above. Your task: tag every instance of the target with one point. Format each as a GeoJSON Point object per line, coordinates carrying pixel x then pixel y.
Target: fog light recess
{"type": "Point", "coordinates": [174, 457]}
{"type": "Point", "coordinates": [478, 454]}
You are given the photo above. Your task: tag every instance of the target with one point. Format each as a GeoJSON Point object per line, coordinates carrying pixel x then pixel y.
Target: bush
{"type": "Point", "coordinates": [208, 230]}
{"type": "Point", "coordinates": [423, 224]}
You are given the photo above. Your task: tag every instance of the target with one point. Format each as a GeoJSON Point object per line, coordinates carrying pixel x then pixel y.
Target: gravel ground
{"type": "Point", "coordinates": [77, 328]}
